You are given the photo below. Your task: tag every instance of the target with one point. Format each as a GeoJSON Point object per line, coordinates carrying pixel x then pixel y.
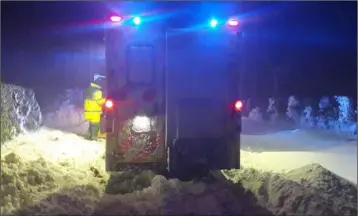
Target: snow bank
{"type": "Point", "coordinates": [38, 164]}
{"type": "Point", "coordinates": [309, 190]}
{"type": "Point", "coordinates": [172, 197]}
{"type": "Point", "coordinates": [20, 111]}
{"type": "Point", "coordinates": [288, 150]}
{"type": "Point", "coordinates": [314, 175]}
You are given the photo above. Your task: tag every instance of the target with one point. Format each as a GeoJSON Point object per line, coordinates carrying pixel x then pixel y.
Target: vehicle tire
{"type": "Point", "coordinates": [182, 169]}
{"type": "Point", "coordinates": [174, 168]}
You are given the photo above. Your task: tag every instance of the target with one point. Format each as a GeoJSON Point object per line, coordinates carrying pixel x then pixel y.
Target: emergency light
{"type": "Point", "coordinates": [137, 20]}
{"type": "Point", "coordinates": [233, 22]}
{"type": "Point", "coordinates": [213, 23]}
{"type": "Point", "coordinates": [115, 18]}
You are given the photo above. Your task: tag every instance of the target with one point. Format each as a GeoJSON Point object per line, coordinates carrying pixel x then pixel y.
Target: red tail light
{"type": "Point", "coordinates": [238, 105]}
{"type": "Point", "coordinates": [108, 104]}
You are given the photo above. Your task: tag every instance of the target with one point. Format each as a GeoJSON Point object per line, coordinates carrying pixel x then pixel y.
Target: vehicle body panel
{"type": "Point", "coordinates": [199, 98]}
{"type": "Point", "coordinates": [129, 52]}
{"type": "Point", "coordinates": [201, 90]}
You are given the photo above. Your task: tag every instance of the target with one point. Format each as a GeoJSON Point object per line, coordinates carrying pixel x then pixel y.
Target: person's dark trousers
{"type": "Point", "coordinates": [93, 131]}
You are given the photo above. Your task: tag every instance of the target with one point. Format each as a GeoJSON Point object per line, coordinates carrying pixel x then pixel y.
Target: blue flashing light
{"type": "Point", "coordinates": [213, 23]}
{"type": "Point", "coordinates": [136, 20]}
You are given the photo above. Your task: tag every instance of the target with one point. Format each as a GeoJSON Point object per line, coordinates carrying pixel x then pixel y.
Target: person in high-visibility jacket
{"type": "Point", "coordinates": [93, 107]}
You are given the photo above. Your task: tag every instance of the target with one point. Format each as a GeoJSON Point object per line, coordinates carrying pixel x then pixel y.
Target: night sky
{"type": "Point", "coordinates": [312, 45]}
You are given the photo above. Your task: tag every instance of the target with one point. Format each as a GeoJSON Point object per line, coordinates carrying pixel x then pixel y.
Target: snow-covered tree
{"type": "Point", "coordinates": [255, 114]}
{"type": "Point", "coordinates": [292, 111]}
{"type": "Point", "coordinates": [324, 103]}
{"type": "Point", "coordinates": [345, 119]}
{"type": "Point", "coordinates": [344, 109]}
{"type": "Point", "coordinates": [307, 119]}
{"type": "Point", "coordinates": [326, 115]}
{"type": "Point", "coordinates": [272, 110]}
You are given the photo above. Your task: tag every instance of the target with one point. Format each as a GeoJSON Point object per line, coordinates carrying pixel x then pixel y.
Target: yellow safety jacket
{"type": "Point", "coordinates": [93, 103]}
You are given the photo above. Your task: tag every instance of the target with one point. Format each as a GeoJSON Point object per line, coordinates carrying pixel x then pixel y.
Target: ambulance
{"type": "Point", "coordinates": [172, 103]}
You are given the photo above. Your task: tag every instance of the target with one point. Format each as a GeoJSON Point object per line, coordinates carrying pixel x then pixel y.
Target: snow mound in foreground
{"type": "Point", "coordinates": [309, 190]}
{"type": "Point", "coordinates": [314, 175]}
{"type": "Point", "coordinates": [172, 197]}
{"type": "Point", "coordinates": [38, 164]}
{"type": "Point", "coordinates": [55, 173]}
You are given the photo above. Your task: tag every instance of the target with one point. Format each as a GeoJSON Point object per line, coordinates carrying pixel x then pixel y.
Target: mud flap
{"type": "Point", "coordinates": [190, 158]}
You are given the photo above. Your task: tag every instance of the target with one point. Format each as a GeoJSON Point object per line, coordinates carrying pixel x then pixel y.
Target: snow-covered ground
{"type": "Point", "coordinates": [51, 172]}
{"type": "Point", "coordinates": [278, 148]}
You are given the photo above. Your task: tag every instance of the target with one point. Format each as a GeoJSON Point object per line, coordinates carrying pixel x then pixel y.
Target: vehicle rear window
{"type": "Point", "coordinates": [140, 64]}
